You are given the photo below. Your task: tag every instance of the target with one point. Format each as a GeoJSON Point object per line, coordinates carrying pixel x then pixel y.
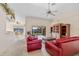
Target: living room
{"type": "Point", "coordinates": [52, 29]}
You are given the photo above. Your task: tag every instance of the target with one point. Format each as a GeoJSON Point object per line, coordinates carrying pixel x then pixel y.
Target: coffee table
{"type": "Point", "coordinates": [48, 39]}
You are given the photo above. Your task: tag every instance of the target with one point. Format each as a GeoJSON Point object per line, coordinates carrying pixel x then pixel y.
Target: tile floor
{"type": "Point", "coordinates": [18, 49]}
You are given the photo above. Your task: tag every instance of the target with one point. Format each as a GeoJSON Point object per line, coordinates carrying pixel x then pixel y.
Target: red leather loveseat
{"type": "Point", "coordinates": [63, 47]}
{"type": "Point", "coordinates": [33, 44]}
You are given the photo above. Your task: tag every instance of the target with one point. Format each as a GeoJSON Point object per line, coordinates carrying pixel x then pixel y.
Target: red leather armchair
{"type": "Point", "coordinates": [63, 47]}
{"type": "Point", "coordinates": [33, 44]}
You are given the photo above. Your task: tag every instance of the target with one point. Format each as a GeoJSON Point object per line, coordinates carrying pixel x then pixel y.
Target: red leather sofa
{"type": "Point", "coordinates": [33, 44]}
{"type": "Point", "coordinates": [63, 47]}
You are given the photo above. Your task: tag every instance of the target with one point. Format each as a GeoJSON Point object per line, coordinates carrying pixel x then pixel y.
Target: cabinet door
{"type": "Point", "coordinates": [65, 30]}
{"type": "Point", "coordinates": [68, 29]}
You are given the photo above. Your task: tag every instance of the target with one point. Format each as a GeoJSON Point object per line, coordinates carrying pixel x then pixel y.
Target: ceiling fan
{"type": "Point", "coordinates": [50, 12]}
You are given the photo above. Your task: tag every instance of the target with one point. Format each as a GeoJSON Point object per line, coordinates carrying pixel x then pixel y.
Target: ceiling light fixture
{"type": "Point", "coordinates": [50, 12]}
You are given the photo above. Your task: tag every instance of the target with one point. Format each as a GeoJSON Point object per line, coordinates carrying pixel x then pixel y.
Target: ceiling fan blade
{"type": "Point", "coordinates": [53, 14]}
{"type": "Point", "coordinates": [48, 6]}
{"type": "Point", "coordinates": [55, 11]}
{"type": "Point", "coordinates": [53, 4]}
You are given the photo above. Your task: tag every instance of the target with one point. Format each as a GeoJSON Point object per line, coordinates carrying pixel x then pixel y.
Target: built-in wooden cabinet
{"type": "Point", "coordinates": [63, 30]}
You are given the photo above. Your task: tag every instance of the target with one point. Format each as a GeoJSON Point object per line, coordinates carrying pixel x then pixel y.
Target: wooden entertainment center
{"type": "Point", "coordinates": [62, 29]}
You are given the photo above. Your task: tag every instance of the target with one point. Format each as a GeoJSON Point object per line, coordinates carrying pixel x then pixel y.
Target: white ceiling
{"type": "Point", "coordinates": [40, 9]}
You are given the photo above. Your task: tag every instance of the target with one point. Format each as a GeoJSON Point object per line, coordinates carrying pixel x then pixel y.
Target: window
{"type": "Point", "coordinates": [38, 30]}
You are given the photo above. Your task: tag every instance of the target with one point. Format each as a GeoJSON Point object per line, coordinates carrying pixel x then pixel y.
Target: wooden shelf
{"type": "Point", "coordinates": [61, 29]}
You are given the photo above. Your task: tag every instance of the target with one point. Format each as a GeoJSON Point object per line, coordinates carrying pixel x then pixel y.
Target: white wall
{"type": "Point", "coordinates": [6, 39]}
{"type": "Point", "coordinates": [35, 21]}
